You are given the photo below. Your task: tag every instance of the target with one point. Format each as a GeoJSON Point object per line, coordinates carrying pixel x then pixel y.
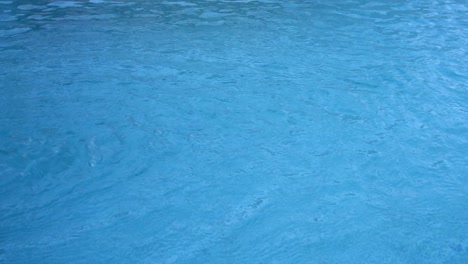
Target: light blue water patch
{"type": "Point", "coordinates": [233, 131]}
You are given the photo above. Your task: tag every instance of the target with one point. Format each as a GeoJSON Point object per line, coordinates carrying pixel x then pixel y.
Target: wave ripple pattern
{"type": "Point", "coordinates": [233, 131]}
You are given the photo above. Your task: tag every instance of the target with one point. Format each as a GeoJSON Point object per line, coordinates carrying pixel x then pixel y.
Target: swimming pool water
{"type": "Point", "coordinates": [233, 131]}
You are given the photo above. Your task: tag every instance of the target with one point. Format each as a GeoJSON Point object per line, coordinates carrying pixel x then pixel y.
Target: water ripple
{"type": "Point", "coordinates": [233, 131]}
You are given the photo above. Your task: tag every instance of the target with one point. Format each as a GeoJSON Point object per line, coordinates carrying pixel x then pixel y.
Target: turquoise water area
{"type": "Point", "coordinates": [231, 131]}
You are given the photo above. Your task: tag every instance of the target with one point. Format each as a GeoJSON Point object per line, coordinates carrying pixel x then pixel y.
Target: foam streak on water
{"type": "Point", "coordinates": [233, 131]}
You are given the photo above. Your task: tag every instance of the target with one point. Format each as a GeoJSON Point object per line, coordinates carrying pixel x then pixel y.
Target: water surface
{"type": "Point", "coordinates": [233, 131]}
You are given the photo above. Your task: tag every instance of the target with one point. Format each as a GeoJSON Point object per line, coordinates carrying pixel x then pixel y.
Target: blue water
{"type": "Point", "coordinates": [234, 131]}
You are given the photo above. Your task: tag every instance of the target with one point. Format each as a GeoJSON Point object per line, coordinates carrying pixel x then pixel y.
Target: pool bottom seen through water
{"type": "Point", "coordinates": [233, 131]}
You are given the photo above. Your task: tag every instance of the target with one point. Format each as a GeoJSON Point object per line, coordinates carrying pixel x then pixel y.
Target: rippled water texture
{"type": "Point", "coordinates": [234, 131]}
